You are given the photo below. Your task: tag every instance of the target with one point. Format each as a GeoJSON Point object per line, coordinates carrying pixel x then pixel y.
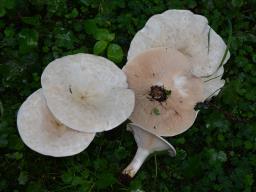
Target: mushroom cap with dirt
{"type": "Point", "coordinates": [190, 34]}
{"type": "Point", "coordinates": [166, 91]}
{"type": "Point", "coordinates": [87, 93]}
{"type": "Point", "coordinates": [41, 132]}
{"type": "Point", "coordinates": [147, 143]}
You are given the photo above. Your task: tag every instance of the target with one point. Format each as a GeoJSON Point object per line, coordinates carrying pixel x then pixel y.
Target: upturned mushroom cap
{"type": "Point", "coordinates": [190, 34]}
{"type": "Point", "coordinates": [41, 132]}
{"type": "Point", "coordinates": [87, 93]}
{"type": "Point", "coordinates": [149, 141]}
{"type": "Point", "coordinates": [169, 69]}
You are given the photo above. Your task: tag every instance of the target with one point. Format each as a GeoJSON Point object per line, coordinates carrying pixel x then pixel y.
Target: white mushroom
{"type": "Point", "coordinates": [87, 93]}
{"type": "Point", "coordinates": [190, 34]}
{"type": "Point", "coordinates": [147, 143]}
{"type": "Point", "coordinates": [41, 132]}
{"type": "Point", "coordinates": [166, 91]}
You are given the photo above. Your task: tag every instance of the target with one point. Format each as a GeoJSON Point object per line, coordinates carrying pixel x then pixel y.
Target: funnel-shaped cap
{"type": "Point", "coordinates": [148, 143]}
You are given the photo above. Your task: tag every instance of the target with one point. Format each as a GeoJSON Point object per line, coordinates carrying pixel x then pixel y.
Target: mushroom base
{"type": "Point", "coordinates": [136, 163]}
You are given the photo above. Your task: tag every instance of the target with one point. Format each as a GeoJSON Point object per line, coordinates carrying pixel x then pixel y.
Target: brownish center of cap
{"type": "Point", "coordinates": [56, 123]}
{"type": "Point", "coordinates": [159, 93]}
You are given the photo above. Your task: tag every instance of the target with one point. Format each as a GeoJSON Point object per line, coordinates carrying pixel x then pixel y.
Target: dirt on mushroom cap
{"type": "Point", "coordinates": [171, 69]}
{"type": "Point", "coordinates": [41, 132]}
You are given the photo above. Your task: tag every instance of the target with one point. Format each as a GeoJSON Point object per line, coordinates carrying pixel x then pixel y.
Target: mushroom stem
{"type": "Point", "coordinates": [136, 163]}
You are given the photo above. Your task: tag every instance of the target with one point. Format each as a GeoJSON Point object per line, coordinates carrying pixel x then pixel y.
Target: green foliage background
{"type": "Point", "coordinates": [216, 154]}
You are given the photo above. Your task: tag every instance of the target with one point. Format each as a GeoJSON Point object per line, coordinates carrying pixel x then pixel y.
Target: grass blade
{"type": "Point", "coordinates": [226, 50]}
{"type": "Point", "coordinates": [212, 78]}
{"type": "Point", "coordinates": [209, 38]}
{"type": "Point", "coordinates": [1, 109]}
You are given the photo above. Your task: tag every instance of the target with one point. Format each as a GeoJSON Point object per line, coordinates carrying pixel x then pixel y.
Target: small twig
{"type": "Point", "coordinates": [155, 166]}
{"type": "Point", "coordinates": [65, 187]}
{"type": "Point", "coordinates": [92, 186]}
{"type": "Point", "coordinates": [1, 109]}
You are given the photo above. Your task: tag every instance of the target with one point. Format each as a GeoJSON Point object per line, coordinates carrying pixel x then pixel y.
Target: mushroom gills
{"type": "Point", "coordinates": [147, 143]}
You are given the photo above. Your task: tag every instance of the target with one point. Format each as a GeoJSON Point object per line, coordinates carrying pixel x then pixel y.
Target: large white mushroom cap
{"type": "Point", "coordinates": [190, 34]}
{"type": "Point", "coordinates": [41, 132]}
{"type": "Point", "coordinates": [87, 93]}
{"type": "Point", "coordinates": [153, 73]}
